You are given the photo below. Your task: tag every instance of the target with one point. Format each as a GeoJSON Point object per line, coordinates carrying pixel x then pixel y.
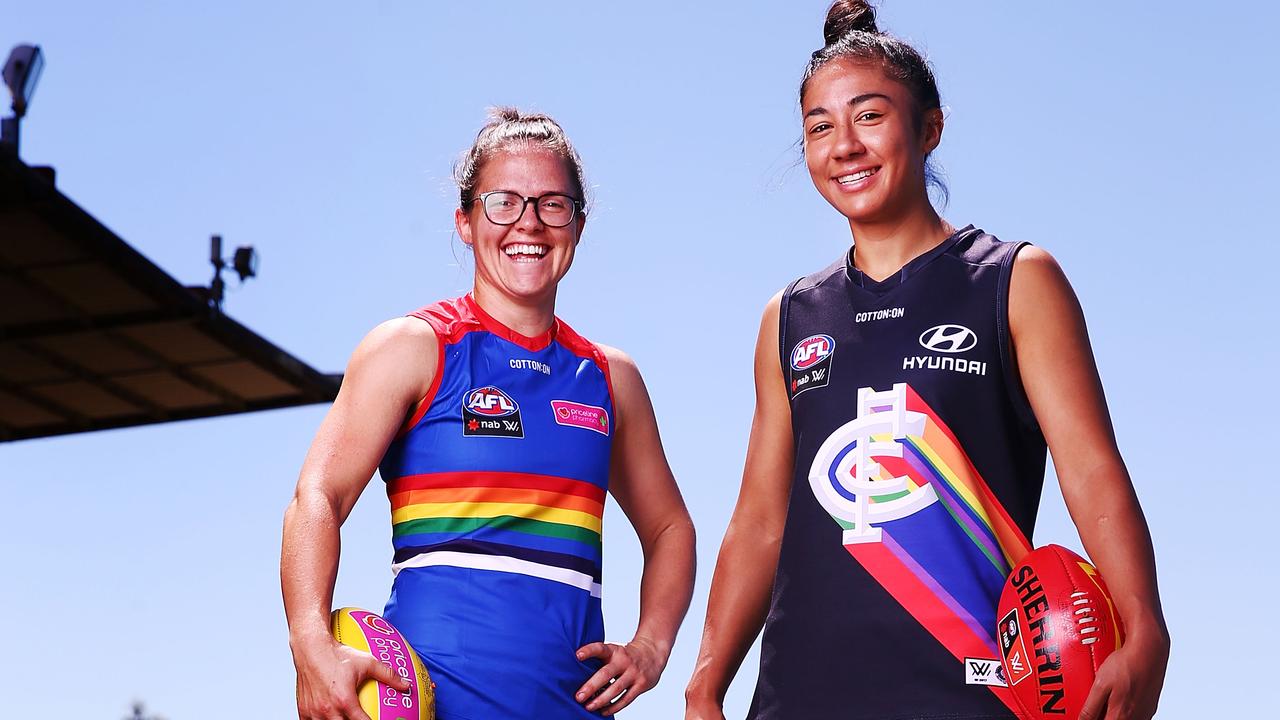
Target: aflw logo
{"type": "Point", "coordinates": [948, 338]}
{"type": "Point", "coordinates": [811, 351]}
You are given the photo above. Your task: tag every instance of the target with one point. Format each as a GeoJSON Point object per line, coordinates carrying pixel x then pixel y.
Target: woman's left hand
{"type": "Point", "coordinates": [628, 671]}
{"type": "Point", "coordinates": [1128, 683]}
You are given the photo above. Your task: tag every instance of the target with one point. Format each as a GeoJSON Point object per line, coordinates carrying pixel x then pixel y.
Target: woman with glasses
{"type": "Point", "coordinates": [904, 399]}
{"type": "Point", "coordinates": [498, 431]}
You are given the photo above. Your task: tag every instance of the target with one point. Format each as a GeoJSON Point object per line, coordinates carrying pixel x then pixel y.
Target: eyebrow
{"type": "Point", "coordinates": [855, 100]}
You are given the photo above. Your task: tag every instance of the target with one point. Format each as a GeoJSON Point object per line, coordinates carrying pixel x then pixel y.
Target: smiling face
{"type": "Point", "coordinates": [865, 143]}
{"type": "Point", "coordinates": [523, 262]}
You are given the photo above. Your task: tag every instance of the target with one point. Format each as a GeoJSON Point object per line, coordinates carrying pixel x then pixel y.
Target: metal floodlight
{"type": "Point", "coordinates": [245, 262]}
{"type": "Point", "coordinates": [21, 73]}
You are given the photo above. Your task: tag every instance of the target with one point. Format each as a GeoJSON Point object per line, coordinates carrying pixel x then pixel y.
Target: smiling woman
{"type": "Point", "coordinates": [498, 430]}
{"type": "Point", "coordinates": [905, 396]}
{"type": "Point", "coordinates": [518, 161]}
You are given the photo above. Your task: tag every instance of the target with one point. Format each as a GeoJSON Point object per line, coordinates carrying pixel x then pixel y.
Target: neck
{"type": "Point", "coordinates": [530, 318]}
{"type": "Point", "coordinates": [883, 248]}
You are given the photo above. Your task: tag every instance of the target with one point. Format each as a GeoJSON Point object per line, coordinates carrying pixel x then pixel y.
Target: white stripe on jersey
{"type": "Point", "coordinates": [501, 563]}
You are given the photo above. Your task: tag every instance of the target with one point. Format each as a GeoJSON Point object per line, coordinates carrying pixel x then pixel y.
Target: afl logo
{"type": "Point", "coordinates": [811, 351]}
{"type": "Point", "coordinates": [948, 338]}
{"type": "Point", "coordinates": [491, 402]}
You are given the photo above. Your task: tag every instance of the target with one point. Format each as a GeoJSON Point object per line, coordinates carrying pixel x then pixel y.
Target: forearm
{"type": "Point", "coordinates": [309, 565]}
{"type": "Point", "coordinates": [666, 586]}
{"type": "Point", "coordinates": [736, 610]}
{"type": "Point", "coordinates": [1115, 534]}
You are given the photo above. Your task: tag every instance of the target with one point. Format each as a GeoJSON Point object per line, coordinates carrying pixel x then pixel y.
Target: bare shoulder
{"type": "Point", "coordinates": [774, 306]}
{"type": "Point", "coordinates": [769, 322]}
{"type": "Point", "coordinates": [397, 358]}
{"type": "Point", "coordinates": [622, 368]}
{"type": "Point", "coordinates": [1039, 289]}
{"type": "Point", "coordinates": [400, 337]}
{"type": "Point", "coordinates": [1036, 270]}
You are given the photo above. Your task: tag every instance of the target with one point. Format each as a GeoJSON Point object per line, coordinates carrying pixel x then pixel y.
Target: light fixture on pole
{"type": "Point", "coordinates": [21, 73]}
{"type": "Point", "coordinates": [244, 262]}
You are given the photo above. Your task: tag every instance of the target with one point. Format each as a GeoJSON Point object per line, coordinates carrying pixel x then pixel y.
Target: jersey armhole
{"type": "Point", "coordinates": [1008, 361]}
{"type": "Point", "coordinates": [423, 405]}
{"type": "Point", "coordinates": [603, 361]}
{"type": "Point", "coordinates": [784, 307]}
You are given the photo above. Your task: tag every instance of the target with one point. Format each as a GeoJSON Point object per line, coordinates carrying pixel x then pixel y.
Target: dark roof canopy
{"type": "Point", "coordinates": [94, 336]}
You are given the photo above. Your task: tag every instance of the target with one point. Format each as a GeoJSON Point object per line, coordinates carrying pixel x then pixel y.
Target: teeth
{"type": "Point", "coordinates": [846, 179]}
{"type": "Point", "coordinates": [525, 249]}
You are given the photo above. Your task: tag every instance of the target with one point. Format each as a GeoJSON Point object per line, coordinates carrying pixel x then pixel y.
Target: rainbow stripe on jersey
{"type": "Point", "coordinates": [918, 516]}
{"type": "Point", "coordinates": [537, 525]}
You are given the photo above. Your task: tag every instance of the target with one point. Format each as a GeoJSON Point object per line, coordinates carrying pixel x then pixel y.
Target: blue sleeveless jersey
{"type": "Point", "coordinates": [497, 486]}
{"type": "Point", "coordinates": [918, 468]}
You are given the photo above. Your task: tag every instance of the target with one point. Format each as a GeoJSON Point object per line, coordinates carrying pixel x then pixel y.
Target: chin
{"type": "Point", "coordinates": [861, 213]}
{"type": "Point", "coordinates": [869, 210]}
{"type": "Point", "coordinates": [525, 291]}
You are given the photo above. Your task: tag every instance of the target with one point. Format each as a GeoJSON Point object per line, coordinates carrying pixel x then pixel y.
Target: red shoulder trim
{"type": "Point", "coordinates": [582, 347]}
{"type": "Point", "coordinates": [449, 321]}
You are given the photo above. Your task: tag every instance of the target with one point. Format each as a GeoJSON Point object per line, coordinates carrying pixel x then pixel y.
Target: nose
{"type": "Point", "coordinates": [529, 220]}
{"type": "Point", "coordinates": [847, 144]}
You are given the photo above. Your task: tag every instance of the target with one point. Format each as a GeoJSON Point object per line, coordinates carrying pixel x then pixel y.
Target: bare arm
{"type": "Point", "coordinates": [642, 483]}
{"type": "Point", "coordinates": [1061, 379]}
{"type": "Point", "coordinates": [389, 371]}
{"type": "Point", "coordinates": [749, 555]}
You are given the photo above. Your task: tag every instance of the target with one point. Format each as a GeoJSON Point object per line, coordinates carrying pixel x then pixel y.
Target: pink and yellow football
{"type": "Point", "coordinates": [365, 631]}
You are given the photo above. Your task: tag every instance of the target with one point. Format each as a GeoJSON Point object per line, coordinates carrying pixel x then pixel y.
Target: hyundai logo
{"type": "Point", "coordinates": [948, 338]}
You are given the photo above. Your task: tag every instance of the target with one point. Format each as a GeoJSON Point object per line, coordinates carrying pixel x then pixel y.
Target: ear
{"type": "Point", "coordinates": [462, 222]}
{"type": "Point", "coordinates": [582, 223]}
{"type": "Point", "coordinates": [932, 130]}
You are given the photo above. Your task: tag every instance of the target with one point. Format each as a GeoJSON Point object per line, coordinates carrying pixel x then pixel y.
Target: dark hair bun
{"type": "Point", "coordinates": [845, 16]}
{"type": "Point", "coordinates": [504, 113]}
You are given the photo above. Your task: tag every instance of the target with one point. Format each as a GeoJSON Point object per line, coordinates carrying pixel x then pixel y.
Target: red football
{"type": "Point", "coordinates": [1057, 625]}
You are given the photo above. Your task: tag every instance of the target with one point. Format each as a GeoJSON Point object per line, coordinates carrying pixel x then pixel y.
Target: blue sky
{"type": "Point", "coordinates": [1135, 144]}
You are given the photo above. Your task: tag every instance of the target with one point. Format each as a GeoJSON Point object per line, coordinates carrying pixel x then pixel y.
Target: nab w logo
{"type": "Point", "coordinates": [948, 338]}
{"type": "Point", "coordinates": [811, 351]}
{"type": "Point", "coordinates": [490, 402]}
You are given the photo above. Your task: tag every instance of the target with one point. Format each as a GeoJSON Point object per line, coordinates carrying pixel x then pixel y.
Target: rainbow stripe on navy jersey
{"type": "Point", "coordinates": [497, 486]}
{"type": "Point", "coordinates": [935, 536]}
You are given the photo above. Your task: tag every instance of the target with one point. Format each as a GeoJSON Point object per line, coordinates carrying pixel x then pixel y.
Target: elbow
{"type": "Point", "coordinates": [311, 506]}
{"type": "Point", "coordinates": [758, 531]}
{"type": "Point", "coordinates": [300, 506]}
{"type": "Point", "coordinates": [678, 532]}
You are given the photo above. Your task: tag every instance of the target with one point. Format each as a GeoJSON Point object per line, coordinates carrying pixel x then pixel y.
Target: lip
{"type": "Point", "coordinates": [857, 185]}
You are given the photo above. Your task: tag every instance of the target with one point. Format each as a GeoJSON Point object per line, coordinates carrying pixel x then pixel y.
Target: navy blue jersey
{"type": "Point", "coordinates": [918, 469]}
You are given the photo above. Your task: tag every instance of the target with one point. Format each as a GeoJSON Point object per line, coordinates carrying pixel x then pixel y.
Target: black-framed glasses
{"type": "Point", "coordinates": [504, 207]}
